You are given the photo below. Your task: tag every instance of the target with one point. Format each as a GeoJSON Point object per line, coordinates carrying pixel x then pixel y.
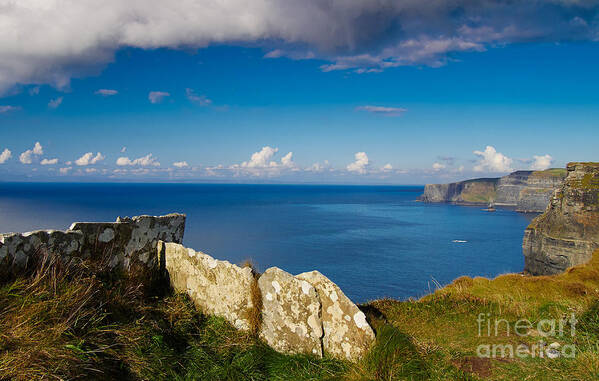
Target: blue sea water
{"type": "Point", "coordinates": [373, 241]}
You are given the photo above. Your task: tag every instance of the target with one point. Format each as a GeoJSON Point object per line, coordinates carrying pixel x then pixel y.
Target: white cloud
{"type": "Point", "coordinates": [261, 158]}
{"type": "Point", "coordinates": [366, 36]}
{"type": "Point", "coordinates": [27, 156]}
{"type": "Point", "coordinates": [49, 161]}
{"type": "Point", "coordinates": [5, 155]}
{"type": "Point", "coordinates": [201, 100]}
{"type": "Point", "coordinates": [361, 163]}
{"type": "Point", "coordinates": [89, 158]}
{"type": "Point", "coordinates": [35, 90]}
{"type": "Point", "coordinates": [180, 164]}
{"type": "Point", "coordinates": [90, 170]}
{"type": "Point", "coordinates": [541, 163]}
{"type": "Point", "coordinates": [387, 167]}
{"type": "Point", "coordinates": [157, 96]}
{"type": "Point", "coordinates": [144, 161]}
{"type": "Point", "coordinates": [123, 150]}
{"type": "Point", "coordinates": [5, 109]}
{"type": "Point", "coordinates": [388, 111]}
{"type": "Point", "coordinates": [492, 161]}
{"type": "Point", "coordinates": [106, 92]}
{"type": "Point", "coordinates": [438, 166]}
{"type": "Point", "coordinates": [54, 103]}
{"type": "Point", "coordinates": [262, 163]}
{"type": "Point", "coordinates": [287, 160]}
{"type": "Point", "coordinates": [65, 170]}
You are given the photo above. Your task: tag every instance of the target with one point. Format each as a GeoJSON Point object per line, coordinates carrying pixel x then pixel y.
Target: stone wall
{"type": "Point", "coordinates": [293, 314]}
{"type": "Point", "coordinates": [127, 241]}
{"type": "Point", "coordinates": [568, 232]}
{"type": "Point", "coordinates": [306, 313]}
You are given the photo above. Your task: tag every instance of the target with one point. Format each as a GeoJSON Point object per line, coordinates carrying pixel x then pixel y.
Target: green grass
{"type": "Point", "coordinates": [83, 321]}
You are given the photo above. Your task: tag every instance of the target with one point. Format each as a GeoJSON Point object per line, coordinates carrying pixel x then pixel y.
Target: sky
{"type": "Point", "coordinates": [278, 91]}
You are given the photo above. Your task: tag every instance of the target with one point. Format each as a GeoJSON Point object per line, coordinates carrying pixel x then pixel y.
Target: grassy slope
{"type": "Point", "coordinates": [82, 321]}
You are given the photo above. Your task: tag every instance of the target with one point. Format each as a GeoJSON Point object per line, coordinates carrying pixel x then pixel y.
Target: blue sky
{"type": "Point", "coordinates": [483, 108]}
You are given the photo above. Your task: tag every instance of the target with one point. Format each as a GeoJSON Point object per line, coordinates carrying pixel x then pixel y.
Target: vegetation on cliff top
{"type": "Point", "coordinates": [82, 321]}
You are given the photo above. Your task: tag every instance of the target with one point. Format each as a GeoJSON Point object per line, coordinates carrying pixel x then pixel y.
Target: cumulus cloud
{"type": "Point", "coordinates": [157, 96]}
{"type": "Point", "coordinates": [201, 100]}
{"type": "Point", "coordinates": [144, 161]}
{"type": "Point", "coordinates": [49, 161]}
{"type": "Point", "coordinates": [5, 155]}
{"type": "Point", "coordinates": [5, 109]}
{"type": "Point", "coordinates": [388, 111]}
{"type": "Point", "coordinates": [261, 158]}
{"type": "Point", "coordinates": [54, 103]}
{"type": "Point", "coordinates": [365, 36]}
{"type": "Point", "coordinates": [361, 163]}
{"type": "Point", "coordinates": [106, 92]}
{"type": "Point", "coordinates": [387, 167]}
{"type": "Point", "coordinates": [438, 166]}
{"type": "Point", "coordinates": [180, 164]}
{"type": "Point", "coordinates": [541, 163]}
{"type": "Point", "coordinates": [262, 163]}
{"type": "Point", "coordinates": [492, 161]}
{"type": "Point", "coordinates": [65, 170]}
{"type": "Point", "coordinates": [27, 156]}
{"type": "Point", "coordinates": [89, 158]}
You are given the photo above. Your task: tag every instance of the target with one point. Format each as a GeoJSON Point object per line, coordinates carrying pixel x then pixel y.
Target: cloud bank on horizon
{"type": "Point", "coordinates": [264, 164]}
{"type": "Point", "coordinates": [75, 38]}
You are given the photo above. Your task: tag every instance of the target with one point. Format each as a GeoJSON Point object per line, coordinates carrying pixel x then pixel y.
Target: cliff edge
{"type": "Point", "coordinates": [568, 232]}
{"type": "Point", "coordinates": [528, 191]}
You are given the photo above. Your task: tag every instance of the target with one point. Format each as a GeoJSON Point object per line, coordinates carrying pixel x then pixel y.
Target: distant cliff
{"type": "Point", "coordinates": [528, 191]}
{"type": "Point", "coordinates": [568, 232]}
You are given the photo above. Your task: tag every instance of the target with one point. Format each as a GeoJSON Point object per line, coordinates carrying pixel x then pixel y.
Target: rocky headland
{"type": "Point", "coordinates": [528, 191]}
{"type": "Point", "coordinates": [568, 232]}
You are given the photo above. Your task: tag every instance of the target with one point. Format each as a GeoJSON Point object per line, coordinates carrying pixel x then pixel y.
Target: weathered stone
{"type": "Point", "coordinates": [129, 240]}
{"type": "Point", "coordinates": [346, 333]}
{"type": "Point", "coordinates": [291, 320]}
{"type": "Point", "coordinates": [568, 232]}
{"type": "Point", "coordinates": [217, 287]}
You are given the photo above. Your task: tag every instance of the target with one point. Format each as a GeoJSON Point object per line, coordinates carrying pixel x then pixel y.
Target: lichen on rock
{"type": "Point", "coordinates": [347, 334]}
{"type": "Point", "coordinates": [291, 315]}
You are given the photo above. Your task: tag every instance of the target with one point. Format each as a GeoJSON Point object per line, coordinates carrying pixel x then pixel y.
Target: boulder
{"type": "Point", "coordinates": [347, 335]}
{"type": "Point", "coordinates": [291, 320]}
{"type": "Point", "coordinates": [216, 287]}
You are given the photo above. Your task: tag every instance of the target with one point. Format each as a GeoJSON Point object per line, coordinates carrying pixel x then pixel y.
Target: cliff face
{"type": "Point", "coordinates": [568, 232]}
{"type": "Point", "coordinates": [528, 191]}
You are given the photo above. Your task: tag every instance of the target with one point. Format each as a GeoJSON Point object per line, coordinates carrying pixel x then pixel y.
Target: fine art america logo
{"type": "Point", "coordinates": [546, 330]}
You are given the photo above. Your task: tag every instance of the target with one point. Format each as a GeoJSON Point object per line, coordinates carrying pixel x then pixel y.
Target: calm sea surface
{"type": "Point", "coordinates": [373, 241]}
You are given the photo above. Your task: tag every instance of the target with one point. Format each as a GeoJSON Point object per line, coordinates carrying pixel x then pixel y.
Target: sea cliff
{"type": "Point", "coordinates": [568, 232]}
{"type": "Point", "coordinates": [528, 191]}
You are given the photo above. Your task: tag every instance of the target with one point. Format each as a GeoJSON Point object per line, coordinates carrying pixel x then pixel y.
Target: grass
{"type": "Point", "coordinates": [81, 320]}
{"type": "Point", "coordinates": [551, 172]}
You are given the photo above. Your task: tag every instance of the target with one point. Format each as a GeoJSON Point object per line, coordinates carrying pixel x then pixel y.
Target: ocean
{"type": "Point", "coordinates": [373, 241]}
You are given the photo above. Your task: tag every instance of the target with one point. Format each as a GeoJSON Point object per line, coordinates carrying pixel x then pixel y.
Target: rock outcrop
{"type": "Point", "coordinates": [127, 241]}
{"type": "Point", "coordinates": [528, 191]}
{"type": "Point", "coordinates": [568, 232]}
{"type": "Point", "coordinates": [307, 313]}
{"type": "Point", "coordinates": [291, 313]}
{"type": "Point", "coordinates": [341, 319]}
{"type": "Point", "coordinates": [217, 287]}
